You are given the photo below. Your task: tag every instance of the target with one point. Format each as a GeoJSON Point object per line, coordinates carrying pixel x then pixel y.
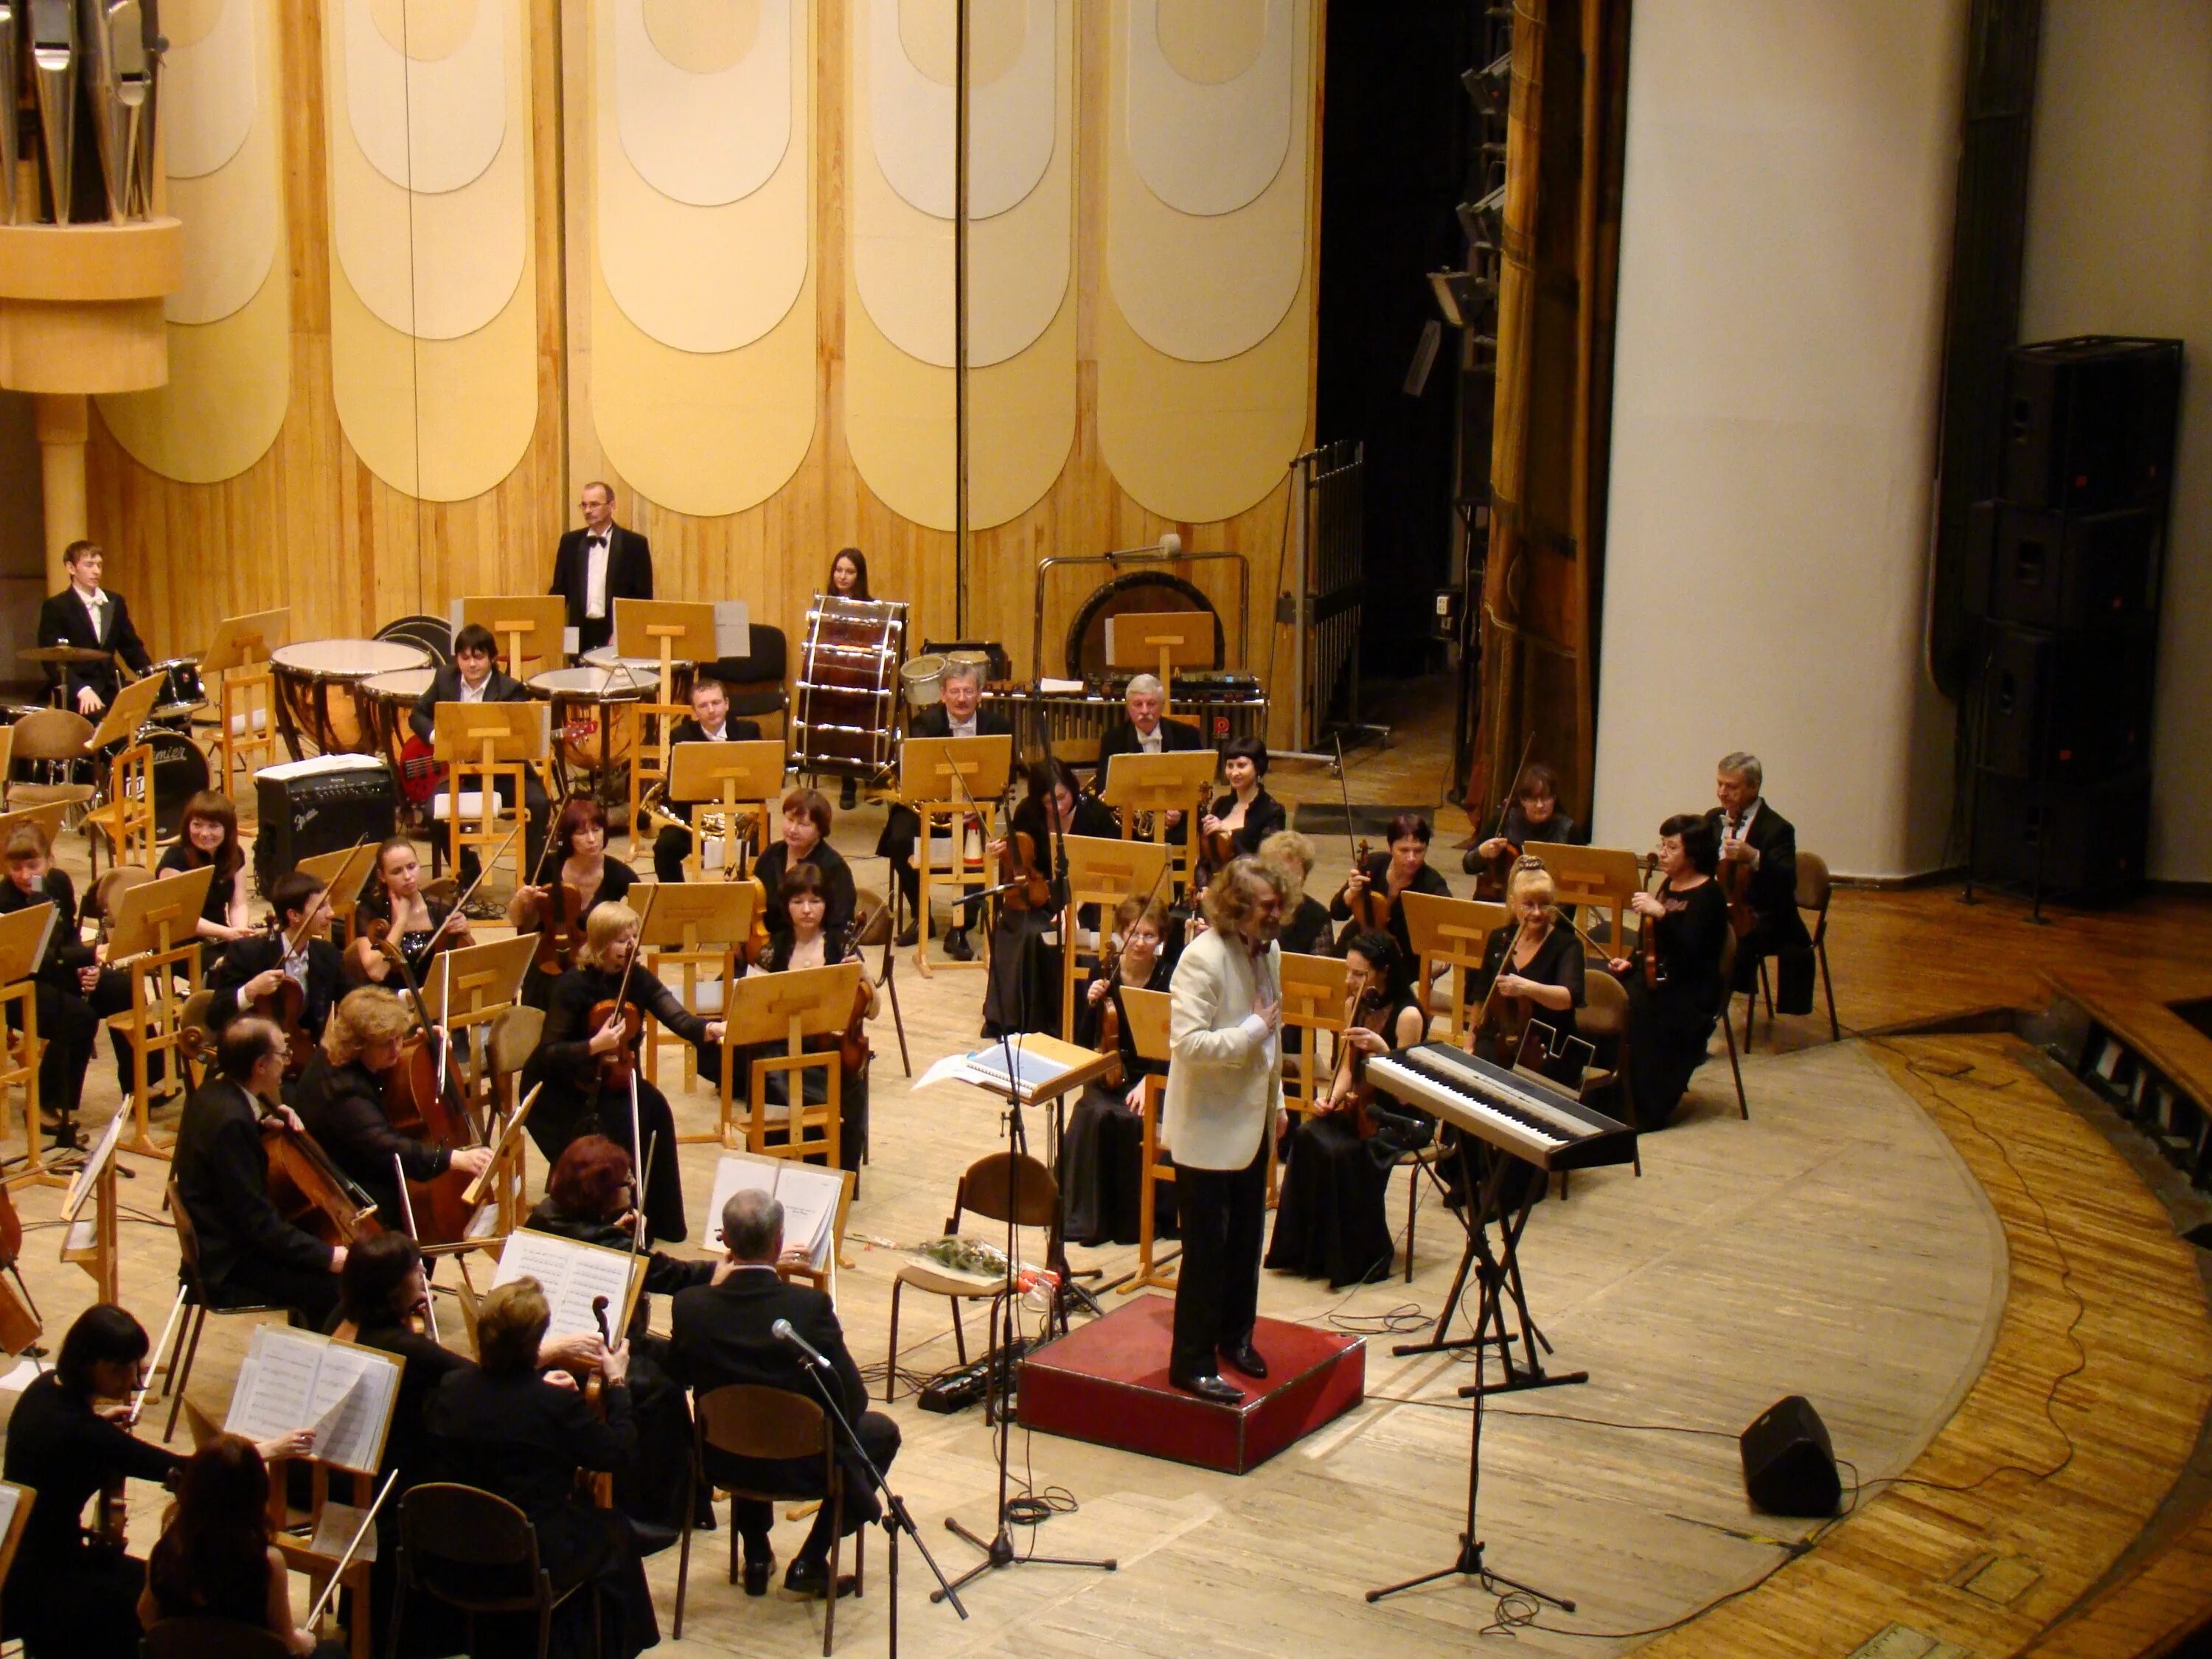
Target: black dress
{"type": "Point", "coordinates": [1329, 1220]}
{"type": "Point", "coordinates": [1306, 931]}
{"type": "Point", "coordinates": [1559, 961]}
{"type": "Point", "coordinates": [67, 1595]}
{"type": "Point", "coordinates": [69, 1017]}
{"type": "Point", "coordinates": [1023, 993]}
{"type": "Point", "coordinates": [651, 1490]}
{"type": "Point", "coordinates": [1102, 1149]}
{"type": "Point", "coordinates": [1426, 879]}
{"type": "Point", "coordinates": [343, 1107]}
{"type": "Point", "coordinates": [1262, 818]}
{"type": "Point", "coordinates": [1670, 1027]}
{"type": "Point", "coordinates": [572, 1102]}
{"type": "Point", "coordinates": [836, 883]}
{"type": "Point", "coordinates": [221, 888]}
{"type": "Point", "coordinates": [616, 880]}
{"type": "Point", "coordinates": [414, 944]}
{"type": "Point", "coordinates": [519, 1436]}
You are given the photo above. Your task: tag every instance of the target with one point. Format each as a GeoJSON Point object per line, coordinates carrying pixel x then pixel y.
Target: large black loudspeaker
{"type": "Point", "coordinates": [2046, 569]}
{"type": "Point", "coordinates": [2085, 840]}
{"type": "Point", "coordinates": [320, 805]}
{"type": "Point", "coordinates": [2069, 706]}
{"type": "Point", "coordinates": [2089, 422]}
{"type": "Point", "coordinates": [1788, 1466]}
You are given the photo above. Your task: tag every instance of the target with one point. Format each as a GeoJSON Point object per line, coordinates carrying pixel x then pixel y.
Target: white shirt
{"type": "Point", "coordinates": [96, 606]}
{"type": "Point", "coordinates": [595, 573]}
{"type": "Point", "coordinates": [720, 734]}
{"type": "Point", "coordinates": [962, 728]}
{"type": "Point", "coordinates": [1149, 742]}
{"type": "Point", "coordinates": [295, 966]}
{"type": "Point", "coordinates": [474, 693]}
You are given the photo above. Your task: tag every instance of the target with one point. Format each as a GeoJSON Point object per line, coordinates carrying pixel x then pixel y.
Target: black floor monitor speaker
{"type": "Point", "coordinates": [320, 805]}
{"type": "Point", "coordinates": [2089, 422]}
{"type": "Point", "coordinates": [1789, 1465]}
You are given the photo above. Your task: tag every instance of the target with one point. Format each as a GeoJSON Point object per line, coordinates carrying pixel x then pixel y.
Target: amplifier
{"type": "Point", "coordinates": [325, 804]}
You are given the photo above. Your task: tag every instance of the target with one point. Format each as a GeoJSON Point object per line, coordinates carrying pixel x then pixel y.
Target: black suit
{"type": "Point", "coordinates": [249, 1252]}
{"type": "Point", "coordinates": [629, 576]}
{"type": "Point", "coordinates": [722, 1335]}
{"type": "Point", "coordinates": [499, 686]}
{"type": "Point", "coordinates": [1175, 738]}
{"type": "Point", "coordinates": [248, 958]}
{"type": "Point", "coordinates": [674, 844]}
{"type": "Point", "coordinates": [63, 619]}
{"type": "Point", "coordinates": [903, 827]}
{"type": "Point", "coordinates": [70, 1017]}
{"type": "Point", "coordinates": [1780, 930]}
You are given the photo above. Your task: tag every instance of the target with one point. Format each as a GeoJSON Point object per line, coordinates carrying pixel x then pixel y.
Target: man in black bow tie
{"type": "Point", "coordinates": [599, 564]}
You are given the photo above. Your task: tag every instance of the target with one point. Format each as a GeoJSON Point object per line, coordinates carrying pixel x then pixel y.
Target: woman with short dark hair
{"type": "Point", "coordinates": [1670, 1024]}
{"type": "Point", "coordinates": [207, 839]}
{"type": "Point", "coordinates": [1247, 812]}
{"type": "Point", "coordinates": [807, 821]}
{"type": "Point", "coordinates": [1389, 875]}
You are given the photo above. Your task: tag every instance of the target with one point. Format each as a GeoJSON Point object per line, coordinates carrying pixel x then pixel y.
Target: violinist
{"type": "Point", "coordinates": [1531, 814]}
{"type": "Point", "coordinates": [411, 919]}
{"type": "Point", "coordinates": [1023, 993]}
{"type": "Point", "coordinates": [341, 1101]}
{"type": "Point", "coordinates": [1329, 1220]}
{"type": "Point", "coordinates": [1531, 970]}
{"type": "Point", "coordinates": [806, 820]}
{"type": "Point", "coordinates": [1247, 812]}
{"type": "Point", "coordinates": [1376, 885]}
{"type": "Point", "coordinates": [1670, 1022]}
{"type": "Point", "coordinates": [590, 1196]}
{"type": "Point", "coordinates": [474, 676]}
{"type": "Point", "coordinates": [217, 1557]}
{"type": "Point", "coordinates": [249, 1252]}
{"type": "Point", "coordinates": [73, 1592]}
{"type": "Point", "coordinates": [1102, 1149]}
{"type": "Point", "coordinates": [960, 713]}
{"type": "Point", "coordinates": [74, 994]}
{"type": "Point", "coordinates": [295, 947]}
{"type": "Point", "coordinates": [580, 878]}
{"type": "Point", "coordinates": [1759, 861]}
{"type": "Point", "coordinates": [709, 722]}
{"type": "Point", "coordinates": [798, 937]}
{"type": "Point", "coordinates": [208, 838]}
{"type": "Point", "coordinates": [587, 1060]}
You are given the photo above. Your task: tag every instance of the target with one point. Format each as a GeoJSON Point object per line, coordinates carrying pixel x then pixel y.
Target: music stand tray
{"type": "Point", "coordinates": [246, 642]}
{"type": "Point", "coordinates": [528, 626]}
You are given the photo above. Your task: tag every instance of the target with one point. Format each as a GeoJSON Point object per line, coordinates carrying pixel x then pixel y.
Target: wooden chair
{"type": "Point", "coordinates": [770, 1425]}
{"type": "Point", "coordinates": [123, 822]}
{"type": "Point", "coordinates": [53, 739]}
{"type": "Point", "coordinates": [477, 1553]}
{"type": "Point", "coordinates": [212, 1638]}
{"type": "Point", "coordinates": [515, 1035]}
{"type": "Point", "coordinates": [982, 1192]}
{"type": "Point", "coordinates": [197, 1306]}
{"type": "Point", "coordinates": [1814, 892]}
{"type": "Point", "coordinates": [1602, 1019]}
{"type": "Point", "coordinates": [469, 786]}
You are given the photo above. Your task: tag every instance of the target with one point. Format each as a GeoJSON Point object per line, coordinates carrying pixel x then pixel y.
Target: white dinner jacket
{"type": "Point", "coordinates": [1223, 1090]}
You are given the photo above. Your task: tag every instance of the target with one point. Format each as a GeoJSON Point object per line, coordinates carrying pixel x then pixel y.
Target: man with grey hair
{"type": "Point", "coordinates": [1758, 849]}
{"type": "Point", "coordinates": [725, 1334]}
{"type": "Point", "coordinates": [1143, 731]}
{"type": "Point", "coordinates": [960, 713]}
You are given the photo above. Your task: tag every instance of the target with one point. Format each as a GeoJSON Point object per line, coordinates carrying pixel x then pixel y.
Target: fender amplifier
{"type": "Point", "coordinates": [325, 804]}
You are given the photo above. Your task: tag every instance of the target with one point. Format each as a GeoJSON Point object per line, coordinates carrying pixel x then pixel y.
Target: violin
{"type": "Point", "coordinates": [1646, 935]}
{"type": "Point", "coordinates": [560, 928]}
{"type": "Point", "coordinates": [1496, 873]}
{"type": "Point", "coordinates": [1370, 909]}
{"type": "Point", "coordinates": [853, 1049]}
{"type": "Point", "coordinates": [1217, 848]}
{"type": "Point", "coordinates": [1734, 877]}
{"type": "Point", "coordinates": [619, 1064]}
{"type": "Point", "coordinates": [1505, 1018]}
{"type": "Point", "coordinates": [1370, 1012]}
{"type": "Point", "coordinates": [1031, 889]}
{"type": "Point", "coordinates": [1110, 1009]}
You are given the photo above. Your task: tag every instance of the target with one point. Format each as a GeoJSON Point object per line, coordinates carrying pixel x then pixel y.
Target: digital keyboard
{"type": "Point", "coordinates": [1513, 1113]}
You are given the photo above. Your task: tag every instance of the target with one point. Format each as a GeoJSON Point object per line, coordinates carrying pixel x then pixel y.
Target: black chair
{"type": "Point", "coordinates": [212, 1638]}
{"type": "Point", "coordinates": [477, 1553]}
{"type": "Point", "coordinates": [198, 1305]}
{"type": "Point", "coordinates": [433, 634]}
{"type": "Point", "coordinates": [754, 682]}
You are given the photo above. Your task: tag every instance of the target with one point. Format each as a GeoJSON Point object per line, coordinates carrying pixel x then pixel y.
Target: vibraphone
{"type": "Point", "coordinates": [1223, 707]}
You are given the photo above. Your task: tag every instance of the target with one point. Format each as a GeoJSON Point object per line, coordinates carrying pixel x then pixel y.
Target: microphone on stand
{"type": "Point", "coordinates": [781, 1332]}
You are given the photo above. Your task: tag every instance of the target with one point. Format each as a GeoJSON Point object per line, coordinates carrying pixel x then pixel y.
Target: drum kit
{"type": "Point", "coordinates": [180, 769]}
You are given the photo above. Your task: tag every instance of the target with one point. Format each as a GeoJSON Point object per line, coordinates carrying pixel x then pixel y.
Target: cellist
{"type": "Point", "coordinates": [587, 1060]}
{"type": "Point", "coordinates": [341, 1101]}
{"type": "Point", "coordinates": [249, 1252]}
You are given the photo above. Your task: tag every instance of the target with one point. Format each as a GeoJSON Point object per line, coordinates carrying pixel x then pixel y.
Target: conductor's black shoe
{"type": "Point", "coordinates": [758, 1568]}
{"type": "Point", "coordinates": [1209, 1386]}
{"type": "Point", "coordinates": [957, 947]}
{"type": "Point", "coordinates": [807, 1578]}
{"type": "Point", "coordinates": [1245, 1357]}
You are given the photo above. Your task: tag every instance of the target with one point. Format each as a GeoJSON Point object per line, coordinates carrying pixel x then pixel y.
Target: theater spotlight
{"type": "Point", "coordinates": [1491, 86]}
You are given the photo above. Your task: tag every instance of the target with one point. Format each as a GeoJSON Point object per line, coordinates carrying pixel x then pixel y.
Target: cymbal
{"type": "Point", "coordinates": [65, 654]}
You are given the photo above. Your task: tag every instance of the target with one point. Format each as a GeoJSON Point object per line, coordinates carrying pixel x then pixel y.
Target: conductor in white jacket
{"type": "Point", "coordinates": [1224, 1087]}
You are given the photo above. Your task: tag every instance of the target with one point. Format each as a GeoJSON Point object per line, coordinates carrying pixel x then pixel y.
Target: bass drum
{"type": "Point", "coordinates": [849, 686]}
{"type": "Point", "coordinates": [181, 771]}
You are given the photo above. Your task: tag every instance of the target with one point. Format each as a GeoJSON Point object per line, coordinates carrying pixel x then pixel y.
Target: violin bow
{"type": "Point", "coordinates": [460, 904]}
{"type": "Point", "coordinates": [622, 990]}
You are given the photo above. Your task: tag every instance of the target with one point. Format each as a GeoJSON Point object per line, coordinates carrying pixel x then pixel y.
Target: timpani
{"type": "Point", "coordinates": [315, 680]}
{"type": "Point", "coordinates": [382, 704]}
{"type": "Point", "coordinates": [591, 735]}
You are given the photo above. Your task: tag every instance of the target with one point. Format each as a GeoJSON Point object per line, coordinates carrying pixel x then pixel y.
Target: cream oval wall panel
{"type": "Point", "coordinates": [229, 384]}
{"type": "Point", "coordinates": [232, 212]}
{"type": "Point", "coordinates": [1014, 106]}
{"type": "Point", "coordinates": [440, 265]}
{"type": "Point", "coordinates": [1209, 147]}
{"type": "Point", "coordinates": [1019, 262]}
{"type": "Point", "coordinates": [1205, 288]}
{"type": "Point", "coordinates": [704, 139]}
{"type": "Point", "coordinates": [208, 94]}
{"type": "Point", "coordinates": [428, 122]}
{"type": "Point", "coordinates": [700, 279]}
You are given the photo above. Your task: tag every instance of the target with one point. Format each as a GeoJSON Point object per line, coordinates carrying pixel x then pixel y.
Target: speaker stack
{"type": "Point", "coordinates": [2064, 577]}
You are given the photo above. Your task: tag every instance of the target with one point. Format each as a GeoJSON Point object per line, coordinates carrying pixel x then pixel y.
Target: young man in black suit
{"type": "Point", "coordinates": [1752, 832]}
{"type": "Point", "coordinates": [599, 564]}
{"type": "Point", "coordinates": [83, 614]}
{"type": "Point", "coordinates": [299, 949]}
{"type": "Point", "coordinates": [471, 676]}
{"type": "Point", "coordinates": [724, 1333]}
{"type": "Point", "coordinates": [959, 713]}
{"type": "Point", "coordinates": [249, 1252]}
{"type": "Point", "coordinates": [709, 722]}
{"type": "Point", "coordinates": [1143, 731]}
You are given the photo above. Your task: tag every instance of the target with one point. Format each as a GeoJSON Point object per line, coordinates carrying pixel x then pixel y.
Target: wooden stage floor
{"type": "Point", "coordinates": [1899, 1232]}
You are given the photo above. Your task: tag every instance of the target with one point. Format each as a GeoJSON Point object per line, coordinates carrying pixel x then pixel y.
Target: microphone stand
{"type": "Point", "coordinates": [896, 1518]}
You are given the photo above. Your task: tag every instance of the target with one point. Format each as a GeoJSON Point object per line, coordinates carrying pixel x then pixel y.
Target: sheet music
{"type": "Point", "coordinates": [273, 1387]}
{"type": "Point", "coordinates": [732, 1176]}
{"type": "Point", "coordinates": [732, 629]}
{"type": "Point", "coordinates": [809, 1198]}
{"type": "Point", "coordinates": [88, 1176]}
{"type": "Point", "coordinates": [335, 1527]}
{"type": "Point", "coordinates": [295, 1380]}
{"type": "Point", "coordinates": [570, 1274]}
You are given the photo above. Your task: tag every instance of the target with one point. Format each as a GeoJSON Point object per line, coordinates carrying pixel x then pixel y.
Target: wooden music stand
{"type": "Point", "coordinates": [48, 820]}
{"type": "Point", "coordinates": [487, 742]}
{"type": "Point", "coordinates": [24, 936]}
{"type": "Point", "coordinates": [698, 927]}
{"type": "Point", "coordinates": [1453, 934]}
{"type": "Point", "coordinates": [132, 707]}
{"type": "Point", "coordinates": [1314, 995]}
{"type": "Point", "coordinates": [142, 940]}
{"type": "Point", "coordinates": [342, 873]}
{"type": "Point", "coordinates": [528, 625]}
{"type": "Point", "coordinates": [667, 631]}
{"type": "Point", "coordinates": [1101, 873]}
{"type": "Point", "coordinates": [20, 1500]}
{"type": "Point", "coordinates": [247, 704]}
{"type": "Point", "coordinates": [1147, 1012]}
{"type": "Point", "coordinates": [1161, 784]}
{"type": "Point", "coordinates": [1600, 878]}
{"type": "Point", "coordinates": [91, 1243]}
{"type": "Point", "coordinates": [950, 778]}
{"type": "Point", "coordinates": [743, 778]}
{"type": "Point", "coordinates": [470, 986]}
{"type": "Point", "coordinates": [768, 1009]}
{"type": "Point", "coordinates": [825, 1281]}
{"type": "Point", "coordinates": [1162, 641]}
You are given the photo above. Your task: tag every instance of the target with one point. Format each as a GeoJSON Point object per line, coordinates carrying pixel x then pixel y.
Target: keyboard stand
{"type": "Point", "coordinates": [1497, 1280]}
